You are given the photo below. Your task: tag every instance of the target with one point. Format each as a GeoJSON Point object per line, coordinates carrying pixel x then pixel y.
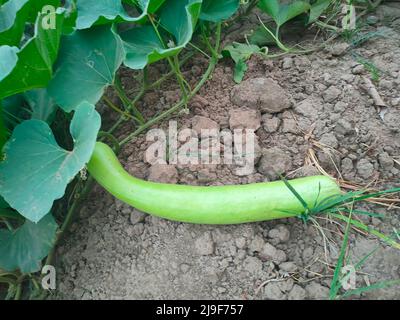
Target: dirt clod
{"type": "Point", "coordinates": [163, 173]}
{"type": "Point", "coordinates": [261, 93]}
{"type": "Point", "coordinates": [274, 161]}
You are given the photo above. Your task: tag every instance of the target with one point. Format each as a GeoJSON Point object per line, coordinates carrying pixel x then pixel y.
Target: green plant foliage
{"type": "Point", "coordinates": [25, 247]}
{"type": "Point", "coordinates": [42, 106]}
{"type": "Point", "coordinates": [36, 170]}
{"type": "Point", "coordinates": [216, 11]}
{"type": "Point", "coordinates": [98, 12]}
{"type": "Point", "coordinates": [86, 65]}
{"type": "Point", "coordinates": [282, 13]}
{"type": "Point", "coordinates": [145, 45]}
{"type": "Point", "coordinates": [317, 9]}
{"type": "Point", "coordinates": [240, 53]}
{"type": "Point", "coordinates": [8, 60]}
{"type": "Point", "coordinates": [33, 68]}
{"type": "Point", "coordinates": [13, 15]}
{"type": "Point", "coordinates": [3, 133]}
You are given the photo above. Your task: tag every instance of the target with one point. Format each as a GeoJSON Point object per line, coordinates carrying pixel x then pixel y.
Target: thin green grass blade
{"type": "Point", "coordinates": [336, 284]}
{"type": "Point", "coordinates": [296, 194]}
{"type": "Point", "coordinates": [379, 285]}
{"type": "Point", "coordinates": [374, 232]}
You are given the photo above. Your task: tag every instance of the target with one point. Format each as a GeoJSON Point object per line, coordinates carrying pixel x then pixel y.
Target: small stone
{"type": "Point", "coordinates": [297, 293]}
{"type": "Point", "coordinates": [358, 69]}
{"type": "Point", "coordinates": [274, 162]}
{"type": "Point", "coordinates": [307, 108]}
{"type": "Point", "coordinates": [252, 265]}
{"type": "Point", "coordinates": [240, 242]}
{"type": "Point", "coordinates": [200, 123]}
{"type": "Point", "coordinates": [365, 169]}
{"type": "Point", "coordinates": [184, 267]}
{"type": "Point", "coordinates": [385, 161]}
{"type": "Point", "coordinates": [287, 63]}
{"type": "Point", "coordinates": [270, 253]}
{"type": "Point", "coordinates": [347, 165]}
{"type": "Point", "coordinates": [288, 266]}
{"type": "Point", "coordinates": [137, 216]}
{"type": "Point", "coordinates": [331, 94]}
{"type": "Point", "coordinates": [205, 245]}
{"type": "Point", "coordinates": [329, 139]}
{"type": "Point", "coordinates": [257, 244]}
{"type": "Point", "coordinates": [163, 173]}
{"type": "Point", "coordinates": [261, 93]}
{"type": "Point", "coordinates": [289, 126]}
{"type": "Point", "coordinates": [392, 119]}
{"type": "Point", "coordinates": [307, 254]}
{"type": "Point", "coordinates": [280, 233]}
{"type": "Point", "coordinates": [339, 49]}
{"type": "Point", "coordinates": [272, 291]}
{"type": "Point", "coordinates": [270, 123]}
{"type": "Point", "coordinates": [316, 291]}
{"type": "Point", "coordinates": [344, 127]}
{"type": "Point", "coordinates": [244, 119]}
{"type": "Point", "coordinates": [307, 171]}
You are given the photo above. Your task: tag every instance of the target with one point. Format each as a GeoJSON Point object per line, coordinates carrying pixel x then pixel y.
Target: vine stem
{"type": "Point", "coordinates": [173, 62]}
{"type": "Point", "coordinates": [180, 104]}
{"type": "Point", "coordinates": [129, 105]}
{"type": "Point", "coordinates": [74, 208]}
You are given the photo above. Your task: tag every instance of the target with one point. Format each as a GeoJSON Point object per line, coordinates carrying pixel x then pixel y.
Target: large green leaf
{"type": "Point", "coordinates": [13, 15]}
{"type": "Point", "coordinates": [25, 248]}
{"type": "Point", "coordinates": [42, 106]}
{"type": "Point", "coordinates": [86, 65]}
{"type": "Point", "coordinates": [216, 11]}
{"type": "Point", "coordinates": [282, 13]}
{"type": "Point", "coordinates": [3, 132]}
{"type": "Point", "coordinates": [35, 60]}
{"type": "Point", "coordinates": [8, 60]}
{"type": "Point", "coordinates": [317, 9]}
{"type": "Point", "coordinates": [142, 44]}
{"type": "Point", "coordinates": [97, 12]}
{"type": "Point", "coordinates": [36, 170]}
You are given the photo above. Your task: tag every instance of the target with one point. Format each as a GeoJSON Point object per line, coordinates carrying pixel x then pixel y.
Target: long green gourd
{"type": "Point", "coordinates": [230, 204]}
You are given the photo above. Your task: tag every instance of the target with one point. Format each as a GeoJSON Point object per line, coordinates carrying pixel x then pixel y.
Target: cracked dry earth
{"type": "Point", "coordinates": [320, 108]}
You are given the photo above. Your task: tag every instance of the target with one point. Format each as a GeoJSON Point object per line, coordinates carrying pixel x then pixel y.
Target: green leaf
{"type": "Point", "coordinates": [240, 70]}
{"type": "Point", "coordinates": [317, 9]}
{"type": "Point", "coordinates": [283, 13]}
{"type": "Point", "coordinates": [261, 37]}
{"type": "Point", "coordinates": [87, 63]}
{"type": "Point", "coordinates": [36, 170]}
{"type": "Point", "coordinates": [216, 11]}
{"type": "Point", "coordinates": [41, 104]}
{"type": "Point", "coordinates": [142, 44]}
{"type": "Point", "coordinates": [242, 51]}
{"type": "Point", "coordinates": [25, 248]}
{"type": "Point", "coordinates": [98, 12]}
{"type": "Point", "coordinates": [270, 7]}
{"type": "Point", "coordinates": [3, 133]}
{"type": "Point", "coordinates": [3, 203]}
{"type": "Point", "coordinates": [35, 60]}
{"type": "Point", "coordinates": [8, 60]}
{"type": "Point", "coordinates": [13, 15]}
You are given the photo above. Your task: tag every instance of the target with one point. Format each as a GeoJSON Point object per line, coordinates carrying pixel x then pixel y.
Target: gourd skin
{"type": "Point", "coordinates": [232, 204]}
